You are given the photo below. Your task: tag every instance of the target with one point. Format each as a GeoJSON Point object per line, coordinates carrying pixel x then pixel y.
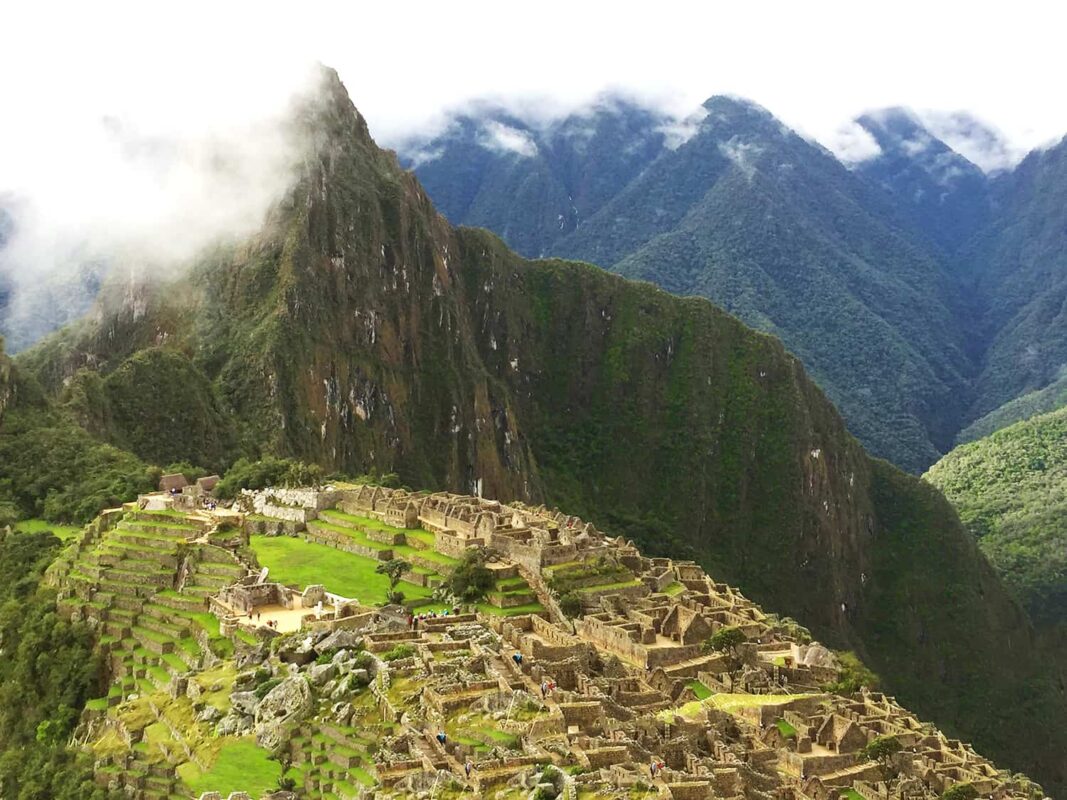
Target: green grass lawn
{"type": "Point", "coordinates": [731, 703]}
{"type": "Point", "coordinates": [241, 766]}
{"type": "Point", "coordinates": [63, 532]}
{"type": "Point", "coordinates": [700, 690]}
{"type": "Point", "coordinates": [529, 608]}
{"type": "Point", "coordinates": [785, 728]}
{"type": "Point", "coordinates": [299, 562]}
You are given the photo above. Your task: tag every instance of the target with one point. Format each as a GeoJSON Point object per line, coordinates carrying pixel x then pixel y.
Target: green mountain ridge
{"type": "Point", "coordinates": [360, 331]}
{"type": "Point", "coordinates": [920, 293]}
{"type": "Point", "coordinates": [1011, 491]}
{"type": "Point", "coordinates": [1020, 264]}
{"type": "Point", "coordinates": [1041, 401]}
{"type": "Point", "coordinates": [774, 229]}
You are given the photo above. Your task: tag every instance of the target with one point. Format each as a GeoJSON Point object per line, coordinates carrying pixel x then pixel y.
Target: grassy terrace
{"type": "Point", "coordinates": [529, 608]}
{"type": "Point", "coordinates": [300, 563]}
{"type": "Point", "coordinates": [63, 532]}
{"type": "Point", "coordinates": [240, 766]}
{"type": "Point", "coordinates": [731, 703]}
{"type": "Point", "coordinates": [405, 551]}
{"type": "Point", "coordinates": [699, 689]}
{"type": "Point", "coordinates": [167, 523]}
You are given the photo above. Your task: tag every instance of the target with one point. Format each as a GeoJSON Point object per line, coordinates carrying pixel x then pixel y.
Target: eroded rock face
{"type": "Point", "coordinates": [340, 639]}
{"type": "Point", "coordinates": [818, 656]}
{"type": "Point", "coordinates": [244, 702]}
{"type": "Point", "coordinates": [297, 651]}
{"type": "Point", "coordinates": [284, 707]}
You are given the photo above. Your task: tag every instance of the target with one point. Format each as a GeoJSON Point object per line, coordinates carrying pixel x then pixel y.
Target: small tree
{"type": "Point", "coordinates": [853, 675]}
{"type": "Point", "coordinates": [960, 791]}
{"type": "Point", "coordinates": [8, 514]}
{"type": "Point", "coordinates": [571, 605]}
{"type": "Point", "coordinates": [884, 750]}
{"type": "Point", "coordinates": [471, 580]}
{"type": "Point", "coordinates": [394, 569]}
{"type": "Point", "coordinates": [725, 640]}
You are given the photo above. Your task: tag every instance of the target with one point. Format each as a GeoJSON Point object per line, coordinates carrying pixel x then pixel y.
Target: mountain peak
{"type": "Point", "coordinates": [732, 110]}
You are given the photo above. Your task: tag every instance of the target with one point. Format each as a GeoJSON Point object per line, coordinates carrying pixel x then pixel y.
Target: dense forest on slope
{"type": "Point", "coordinates": [360, 331]}
{"type": "Point", "coordinates": [1019, 263]}
{"type": "Point", "coordinates": [1011, 492]}
{"type": "Point", "coordinates": [920, 293]}
{"type": "Point", "coordinates": [775, 230]}
{"type": "Point", "coordinates": [1029, 405]}
{"type": "Point", "coordinates": [47, 673]}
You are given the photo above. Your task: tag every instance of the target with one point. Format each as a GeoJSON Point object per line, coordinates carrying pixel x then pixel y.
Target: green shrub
{"type": "Point", "coordinates": [571, 604]}
{"type": "Point", "coordinates": [401, 651]}
{"type": "Point", "coordinates": [264, 688]}
{"type": "Point", "coordinates": [471, 580]}
{"type": "Point", "coordinates": [853, 676]}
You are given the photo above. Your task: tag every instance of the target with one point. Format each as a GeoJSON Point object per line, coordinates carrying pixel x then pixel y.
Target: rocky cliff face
{"type": "Point", "coordinates": [359, 330]}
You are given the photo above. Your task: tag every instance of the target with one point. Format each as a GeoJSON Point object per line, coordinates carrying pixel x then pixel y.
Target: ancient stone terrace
{"type": "Point", "coordinates": [587, 670]}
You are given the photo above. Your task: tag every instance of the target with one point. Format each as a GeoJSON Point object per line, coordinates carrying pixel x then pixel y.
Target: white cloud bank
{"type": "Point", "coordinates": [145, 130]}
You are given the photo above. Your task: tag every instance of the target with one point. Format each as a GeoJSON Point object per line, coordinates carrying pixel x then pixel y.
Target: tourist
{"type": "Point", "coordinates": [467, 768]}
{"type": "Point", "coordinates": [517, 658]}
{"type": "Point", "coordinates": [442, 738]}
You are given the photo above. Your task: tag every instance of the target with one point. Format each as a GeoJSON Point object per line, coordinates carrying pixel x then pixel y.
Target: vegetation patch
{"type": "Point", "coordinates": [297, 562]}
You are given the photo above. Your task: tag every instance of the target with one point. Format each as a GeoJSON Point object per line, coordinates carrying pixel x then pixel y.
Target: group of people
{"type": "Point", "coordinates": [415, 619]}
{"type": "Point", "coordinates": [257, 617]}
{"type": "Point", "coordinates": [655, 768]}
{"type": "Point", "coordinates": [547, 687]}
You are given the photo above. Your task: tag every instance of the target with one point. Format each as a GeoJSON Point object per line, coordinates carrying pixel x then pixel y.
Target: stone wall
{"type": "Point", "coordinates": [293, 505]}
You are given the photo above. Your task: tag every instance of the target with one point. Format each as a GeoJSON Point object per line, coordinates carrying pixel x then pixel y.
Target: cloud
{"type": "Point", "coordinates": [852, 143]}
{"type": "Point", "coordinates": [977, 141]}
{"type": "Point", "coordinates": [108, 163]}
{"type": "Point", "coordinates": [678, 131]}
{"type": "Point", "coordinates": [141, 131]}
{"type": "Point", "coordinates": [743, 154]}
{"type": "Point", "coordinates": [506, 139]}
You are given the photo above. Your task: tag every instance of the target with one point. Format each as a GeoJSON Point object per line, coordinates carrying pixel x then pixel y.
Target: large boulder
{"type": "Point", "coordinates": [340, 640]}
{"type": "Point", "coordinates": [817, 656]}
{"type": "Point", "coordinates": [282, 710]}
{"type": "Point", "coordinates": [244, 702]}
{"type": "Point", "coordinates": [321, 673]}
{"type": "Point", "coordinates": [297, 650]}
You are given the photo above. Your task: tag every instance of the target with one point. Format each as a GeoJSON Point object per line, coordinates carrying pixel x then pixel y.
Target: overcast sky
{"type": "Point", "coordinates": [815, 64]}
{"type": "Point", "coordinates": [114, 114]}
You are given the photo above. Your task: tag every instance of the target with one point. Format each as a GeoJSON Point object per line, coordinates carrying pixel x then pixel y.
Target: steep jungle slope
{"type": "Point", "coordinates": [1019, 264]}
{"type": "Point", "coordinates": [1041, 401]}
{"type": "Point", "coordinates": [52, 467]}
{"type": "Point", "coordinates": [7, 384]}
{"type": "Point", "coordinates": [359, 330]}
{"type": "Point", "coordinates": [946, 196]}
{"type": "Point", "coordinates": [534, 184]}
{"type": "Point", "coordinates": [1011, 492]}
{"type": "Point", "coordinates": [47, 673]}
{"type": "Point", "coordinates": [778, 232]}
{"type": "Point", "coordinates": [845, 268]}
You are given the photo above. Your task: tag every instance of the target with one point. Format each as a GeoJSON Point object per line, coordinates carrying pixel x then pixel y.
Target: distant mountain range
{"type": "Point", "coordinates": [920, 291]}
